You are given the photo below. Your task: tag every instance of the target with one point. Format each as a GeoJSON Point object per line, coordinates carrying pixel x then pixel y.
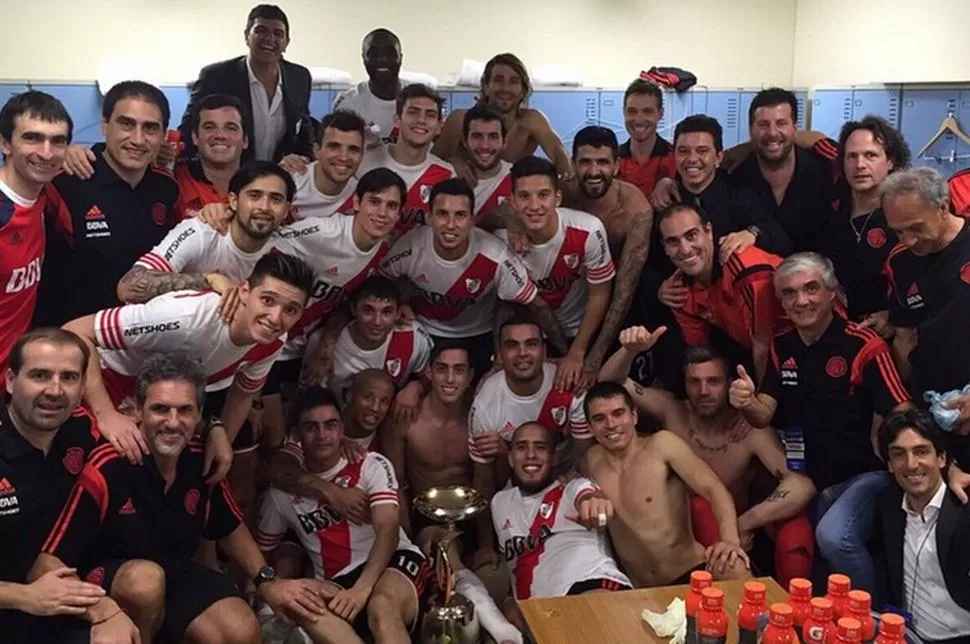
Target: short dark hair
{"type": "Point", "coordinates": [443, 345]}
{"type": "Point", "coordinates": [884, 134]}
{"type": "Point", "coordinates": [52, 335]}
{"type": "Point", "coordinates": [36, 104]}
{"type": "Point", "coordinates": [531, 166]}
{"type": "Point", "coordinates": [509, 60]}
{"type": "Point", "coordinates": [311, 398]}
{"type": "Point", "coordinates": [215, 102]}
{"type": "Point", "coordinates": [551, 436]}
{"type": "Point", "coordinates": [164, 367]}
{"type": "Point", "coordinates": [379, 180]}
{"type": "Point", "coordinates": [606, 389]}
{"type": "Point", "coordinates": [378, 287]}
{"type": "Point", "coordinates": [921, 422]}
{"type": "Point", "coordinates": [249, 172]}
{"type": "Point", "coordinates": [456, 186]}
{"type": "Point", "coordinates": [267, 12]}
{"type": "Point", "coordinates": [519, 319]}
{"type": "Point", "coordinates": [343, 120]}
{"type": "Point", "coordinates": [596, 136]}
{"type": "Point", "coordinates": [284, 267]}
{"type": "Point", "coordinates": [703, 355]}
{"type": "Point", "coordinates": [704, 124]}
{"type": "Point", "coordinates": [673, 209]}
{"type": "Point", "coordinates": [481, 112]}
{"type": "Point", "coordinates": [641, 87]}
{"type": "Point", "coordinates": [771, 97]}
{"type": "Point", "coordinates": [136, 89]}
{"type": "Point", "coordinates": [418, 90]}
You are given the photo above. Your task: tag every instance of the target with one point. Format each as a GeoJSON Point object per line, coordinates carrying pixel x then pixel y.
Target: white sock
{"type": "Point", "coordinates": [489, 616]}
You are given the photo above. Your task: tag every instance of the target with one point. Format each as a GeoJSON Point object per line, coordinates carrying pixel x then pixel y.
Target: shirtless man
{"type": "Point", "coordinates": [648, 479]}
{"type": "Point", "coordinates": [505, 87]}
{"type": "Point", "coordinates": [722, 438]}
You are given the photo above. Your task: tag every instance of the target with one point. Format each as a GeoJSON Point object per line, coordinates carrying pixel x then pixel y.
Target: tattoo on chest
{"type": "Point", "coordinates": [736, 436]}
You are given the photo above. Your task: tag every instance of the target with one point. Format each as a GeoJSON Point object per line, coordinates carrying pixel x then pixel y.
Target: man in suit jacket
{"type": "Point", "coordinates": [274, 92]}
{"type": "Point", "coordinates": [922, 531]}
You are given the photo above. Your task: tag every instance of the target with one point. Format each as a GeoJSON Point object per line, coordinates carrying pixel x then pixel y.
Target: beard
{"type": "Point", "coordinates": [597, 191]}
{"type": "Point", "coordinates": [530, 488]}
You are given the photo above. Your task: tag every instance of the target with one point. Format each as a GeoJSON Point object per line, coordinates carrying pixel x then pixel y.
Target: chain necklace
{"type": "Point", "coordinates": [865, 224]}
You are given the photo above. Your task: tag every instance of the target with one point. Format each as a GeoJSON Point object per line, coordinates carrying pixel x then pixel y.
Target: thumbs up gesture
{"type": "Point", "coordinates": [639, 339]}
{"type": "Point", "coordinates": [742, 391]}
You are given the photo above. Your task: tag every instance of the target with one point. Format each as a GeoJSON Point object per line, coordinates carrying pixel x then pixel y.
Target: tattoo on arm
{"type": "Point", "coordinates": [779, 474]}
{"type": "Point", "coordinates": [632, 259]}
{"type": "Point", "coordinates": [497, 218]}
{"type": "Point", "coordinates": [637, 388]}
{"type": "Point", "coordinates": [141, 284]}
{"type": "Point", "coordinates": [777, 495]}
{"type": "Point", "coordinates": [546, 318]}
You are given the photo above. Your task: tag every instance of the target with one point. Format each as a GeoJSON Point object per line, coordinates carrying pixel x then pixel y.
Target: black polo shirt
{"type": "Point", "coordinates": [830, 390]}
{"type": "Point", "coordinates": [33, 487]}
{"type": "Point", "coordinates": [121, 511]}
{"type": "Point", "coordinates": [807, 203]}
{"type": "Point", "coordinates": [859, 247]}
{"type": "Point", "coordinates": [96, 230]}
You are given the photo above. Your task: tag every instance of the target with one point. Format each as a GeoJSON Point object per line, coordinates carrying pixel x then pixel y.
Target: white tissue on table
{"type": "Point", "coordinates": [671, 622]}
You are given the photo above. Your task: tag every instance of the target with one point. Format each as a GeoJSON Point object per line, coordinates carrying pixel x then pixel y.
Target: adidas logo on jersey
{"type": "Point", "coordinates": [789, 364]}
{"type": "Point", "coordinates": [9, 503]}
{"type": "Point", "coordinates": [93, 214]}
{"type": "Point", "coordinates": [128, 507]}
{"type": "Point", "coordinates": [913, 298]}
{"type": "Point", "coordinates": [507, 525]}
{"type": "Point", "coordinates": [6, 488]}
{"type": "Point", "coordinates": [789, 372]}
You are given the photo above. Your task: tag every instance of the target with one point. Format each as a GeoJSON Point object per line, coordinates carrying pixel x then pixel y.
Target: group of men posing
{"type": "Point", "coordinates": [339, 322]}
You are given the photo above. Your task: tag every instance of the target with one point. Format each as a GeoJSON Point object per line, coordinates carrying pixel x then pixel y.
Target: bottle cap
{"type": "Point", "coordinates": [173, 136]}
{"type": "Point", "coordinates": [700, 579]}
{"type": "Point", "coordinates": [754, 591]}
{"type": "Point", "coordinates": [860, 601]}
{"type": "Point", "coordinates": [800, 588]}
{"type": "Point", "coordinates": [850, 629]}
{"type": "Point", "coordinates": [822, 609]}
{"type": "Point", "coordinates": [781, 615]}
{"type": "Point", "coordinates": [712, 598]}
{"type": "Point", "coordinates": [892, 624]}
{"type": "Point", "coordinates": [839, 584]}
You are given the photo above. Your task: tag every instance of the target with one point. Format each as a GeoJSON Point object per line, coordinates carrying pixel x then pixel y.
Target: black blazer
{"type": "Point", "coordinates": [232, 77]}
{"type": "Point", "coordinates": [952, 539]}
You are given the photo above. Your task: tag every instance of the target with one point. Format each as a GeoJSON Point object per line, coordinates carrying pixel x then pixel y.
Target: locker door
{"type": "Point", "coordinates": [831, 108]}
{"type": "Point", "coordinates": [611, 113]}
{"type": "Point", "coordinates": [724, 105]}
{"type": "Point", "coordinates": [922, 113]}
{"type": "Point", "coordinates": [877, 102]}
{"type": "Point", "coordinates": [567, 111]}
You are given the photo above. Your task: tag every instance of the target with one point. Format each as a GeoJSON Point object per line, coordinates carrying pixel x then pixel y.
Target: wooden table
{"type": "Point", "coordinates": [614, 618]}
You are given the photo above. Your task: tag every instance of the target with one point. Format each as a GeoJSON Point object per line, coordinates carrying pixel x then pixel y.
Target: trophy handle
{"type": "Point", "coordinates": [443, 569]}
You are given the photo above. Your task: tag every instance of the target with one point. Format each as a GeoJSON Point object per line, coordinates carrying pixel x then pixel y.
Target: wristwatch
{"type": "Point", "coordinates": [266, 573]}
{"type": "Point", "coordinates": [754, 230]}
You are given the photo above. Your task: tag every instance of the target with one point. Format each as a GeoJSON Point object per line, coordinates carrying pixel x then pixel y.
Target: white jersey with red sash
{"type": "Point", "coordinates": [563, 267]}
{"type": "Point", "coordinates": [420, 179]}
{"type": "Point", "coordinates": [491, 192]}
{"type": "Point", "coordinates": [328, 246]}
{"type": "Point", "coordinates": [496, 409]}
{"type": "Point", "coordinates": [456, 298]}
{"type": "Point", "coordinates": [546, 551]}
{"type": "Point", "coordinates": [184, 321]}
{"type": "Point", "coordinates": [309, 202]}
{"type": "Point", "coordinates": [404, 352]}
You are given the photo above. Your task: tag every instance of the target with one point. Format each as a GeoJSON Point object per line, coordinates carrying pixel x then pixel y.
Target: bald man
{"type": "Point", "coordinates": [374, 99]}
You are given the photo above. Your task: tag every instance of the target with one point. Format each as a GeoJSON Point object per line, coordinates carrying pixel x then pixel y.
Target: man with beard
{"type": "Point", "coordinates": [648, 480]}
{"type": "Point", "coordinates": [505, 87]}
{"type": "Point", "coordinates": [483, 138]}
{"type": "Point", "coordinates": [647, 157]}
{"type": "Point", "coordinates": [826, 363]}
{"type": "Point", "coordinates": [195, 256]}
{"type": "Point", "coordinates": [44, 440]}
{"type": "Point", "coordinates": [570, 261]}
{"type": "Point", "coordinates": [374, 99]}
{"type": "Point", "coordinates": [722, 438]}
{"type": "Point", "coordinates": [551, 533]}
{"type": "Point", "coordinates": [152, 517]}
{"type": "Point", "coordinates": [418, 120]}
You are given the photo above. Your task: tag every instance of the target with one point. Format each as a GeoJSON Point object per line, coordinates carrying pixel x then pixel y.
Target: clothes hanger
{"type": "Point", "coordinates": [948, 126]}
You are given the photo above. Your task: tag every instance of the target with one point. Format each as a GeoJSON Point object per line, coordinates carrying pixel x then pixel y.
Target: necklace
{"type": "Point", "coordinates": [865, 224]}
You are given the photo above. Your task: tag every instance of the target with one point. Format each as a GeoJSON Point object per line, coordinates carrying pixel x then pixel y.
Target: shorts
{"type": "Point", "coordinates": [190, 589]}
{"type": "Point", "coordinates": [481, 349]}
{"type": "Point", "coordinates": [467, 540]}
{"type": "Point", "coordinates": [246, 439]}
{"type": "Point", "coordinates": [283, 378]}
{"type": "Point", "coordinates": [597, 583]}
{"type": "Point", "coordinates": [23, 628]}
{"type": "Point", "coordinates": [410, 563]}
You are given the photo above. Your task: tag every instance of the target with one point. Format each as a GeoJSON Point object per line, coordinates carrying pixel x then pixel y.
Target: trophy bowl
{"type": "Point", "coordinates": [449, 503]}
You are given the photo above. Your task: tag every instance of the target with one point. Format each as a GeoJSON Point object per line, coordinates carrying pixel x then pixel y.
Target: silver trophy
{"type": "Point", "coordinates": [451, 618]}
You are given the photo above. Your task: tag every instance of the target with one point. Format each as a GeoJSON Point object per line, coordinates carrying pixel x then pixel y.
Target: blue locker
{"type": "Point", "coordinates": [567, 111]}
{"type": "Point", "coordinates": [801, 98]}
{"type": "Point", "coordinates": [724, 105]}
{"type": "Point", "coordinates": [83, 103]}
{"type": "Point", "coordinates": [963, 118]}
{"type": "Point", "coordinates": [611, 113]}
{"type": "Point", "coordinates": [10, 89]}
{"type": "Point", "coordinates": [677, 107]}
{"type": "Point", "coordinates": [321, 101]}
{"type": "Point", "coordinates": [922, 113]}
{"type": "Point", "coordinates": [178, 99]}
{"type": "Point", "coordinates": [446, 98]}
{"type": "Point", "coordinates": [462, 99]}
{"type": "Point", "coordinates": [831, 108]}
{"type": "Point", "coordinates": [882, 102]}
{"type": "Point", "coordinates": [744, 130]}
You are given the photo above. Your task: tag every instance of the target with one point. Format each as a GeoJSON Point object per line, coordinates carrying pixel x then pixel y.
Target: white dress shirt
{"type": "Point", "coordinates": [269, 117]}
{"type": "Point", "coordinates": [935, 615]}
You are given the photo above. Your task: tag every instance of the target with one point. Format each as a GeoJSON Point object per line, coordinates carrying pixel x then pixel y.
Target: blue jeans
{"type": "Point", "coordinates": [844, 514]}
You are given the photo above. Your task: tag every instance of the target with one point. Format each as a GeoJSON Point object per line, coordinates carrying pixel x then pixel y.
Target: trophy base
{"type": "Point", "coordinates": [455, 623]}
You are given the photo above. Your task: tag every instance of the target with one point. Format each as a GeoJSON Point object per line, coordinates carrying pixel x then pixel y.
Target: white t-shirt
{"type": "Point", "coordinates": [336, 546]}
{"type": "Point", "coordinates": [372, 109]}
{"type": "Point", "coordinates": [563, 267]}
{"type": "Point", "coordinates": [456, 299]}
{"type": "Point", "coordinates": [496, 409]}
{"type": "Point", "coordinates": [195, 247]}
{"type": "Point", "coordinates": [405, 352]}
{"type": "Point", "coordinates": [546, 552]}
{"type": "Point", "coordinates": [328, 246]}
{"type": "Point", "coordinates": [309, 202]}
{"type": "Point", "coordinates": [420, 179]}
{"type": "Point", "coordinates": [491, 192]}
{"type": "Point", "coordinates": [187, 322]}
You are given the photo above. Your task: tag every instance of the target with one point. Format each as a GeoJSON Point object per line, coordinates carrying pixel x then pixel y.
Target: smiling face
{"type": "Point", "coordinates": [916, 464]}
{"type": "Point", "coordinates": [612, 421]}
{"type": "Point", "coordinates": [261, 206]}
{"type": "Point", "coordinates": [270, 309]}
{"type": "Point", "coordinates": [450, 375]}
{"type": "Point", "coordinates": [641, 113]}
{"type": "Point", "coordinates": [369, 401]}
{"type": "Point", "coordinates": [48, 386]}
{"type": "Point", "coordinates": [535, 200]}
{"type": "Point", "coordinates": [375, 317]}
{"type": "Point", "coordinates": [267, 40]}
{"type": "Point", "coordinates": [339, 154]}
{"type": "Point", "coordinates": [805, 298]}
{"type": "Point", "coordinates": [133, 134]}
{"type": "Point", "coordinates": [523, 351]}
{"type": "Point", "coordinates": [773, 132]}
{"type": "Point", "coordinates": [697, 159]}
{"type": "Point", "coordinates": [170, 416]}
{"type": "Point", "coordinates": [595, 169]}
{"type": "Point", "coordinates": [377, 213]}
{"type": "Point", "coordinates": [220, 136]}
{"type": "Point", "coordinates": [452, 221]}
{"type": "Point", "coordinates": [531, 458]}
{"type": "Point", "coordinates": [419, 122]}
{"type": "Point", "coordinates": [485, 143]}
{"type": "Point", "coordinates": [36, 150]}
{"type": "Point", "coordinates": [688, 242]}
{"type": "Point", "coordinates": [505, 89]}
{"type": "Point", "coordinates": [382, 57]}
